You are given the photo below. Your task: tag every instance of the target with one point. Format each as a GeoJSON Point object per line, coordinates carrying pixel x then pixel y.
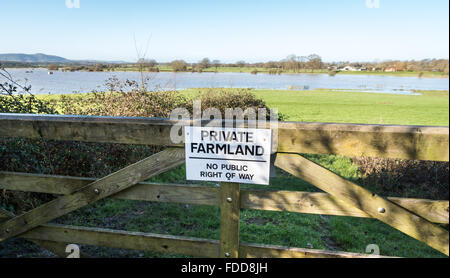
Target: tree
{"type": "Point", "coordinates": [314, 62]}
{"type": "Point", "coordinates": [291, 63]}
{"type": "Point", "coordinates": [147, 63]}
{"type": "Point", "coordinates": [205, 63]}
{"type": "Point", "coordinates": [240, 64]}
{"type": "Point", "coordinates": [99, 67]}
{"type": "Point", "coordinates": [52, 67]}
{"type": "Point", "coordinates": [401, 66]}
{"type": "Point", "coordinates": [179, 65]}
{"type": "Point", "coordinates": [216, 63]}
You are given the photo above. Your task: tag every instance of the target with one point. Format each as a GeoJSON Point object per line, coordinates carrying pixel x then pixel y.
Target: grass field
{"type": "Point", "coordinates": [429, 108]}
{"type": "Point", "coordinates": [282, 228]}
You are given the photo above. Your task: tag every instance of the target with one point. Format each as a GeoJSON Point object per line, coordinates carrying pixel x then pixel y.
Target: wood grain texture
{"type": "Point", "coordinates": [93, 192]}
{"type": "Point", "coordinates": [356, 196]}
{"type": "Point", "coordinates": [146, 131]}
{"type": "Point", "coordinates": [292, 201]}
{"type": "Point", "coordinates": [389, 141]}
{"type": "Point", "coordinates": [229, 220]}
{"type": "Point", "coordinates": [189, 246]}
{"type": "Point", "coordinates": [385, 141]}
{"type": "Point", "coordinates": [273, 251]}
{"type": "Point", "coordinates": [143, 191]}
{"type": "Point", "coordinates": [323, 203]}
{"type": "Point", "coordinates": [57, 248]}
{"type": "Point", "coordinates": [433, 211]}
{"type": "Point", "coordinates": [126, 240]}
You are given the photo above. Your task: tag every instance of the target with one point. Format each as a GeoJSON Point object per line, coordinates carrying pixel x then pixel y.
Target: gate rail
{"type": "Point", "coordinates": [417, 218]}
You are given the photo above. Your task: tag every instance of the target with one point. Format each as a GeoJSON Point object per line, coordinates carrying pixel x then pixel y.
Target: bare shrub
{"type": "Point", "coordinates": [179, 65]}
{"type": "Point", "coordinates": [222, 98]}
{"type": "Point", "coordinates": [332, 73]}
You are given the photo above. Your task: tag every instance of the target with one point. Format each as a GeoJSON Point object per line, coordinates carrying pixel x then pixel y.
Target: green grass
{"type": "Point", "coordinates": [283, 228]}
{"type": "Point", "coordinates": [355, 107]}
{"type": "Point", "coordinates": [341, 106]}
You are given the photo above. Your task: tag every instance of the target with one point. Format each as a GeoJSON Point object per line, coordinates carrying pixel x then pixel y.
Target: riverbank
{"type": "Point", "coordinates": [424, 74]}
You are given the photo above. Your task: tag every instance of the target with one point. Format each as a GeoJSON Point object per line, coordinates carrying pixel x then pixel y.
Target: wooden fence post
{"type": "Point", "coordinates": [230, 205]}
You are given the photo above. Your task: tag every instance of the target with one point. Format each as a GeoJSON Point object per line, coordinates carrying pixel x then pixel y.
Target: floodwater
{"type": "Point", "coordinates": [84, 82]}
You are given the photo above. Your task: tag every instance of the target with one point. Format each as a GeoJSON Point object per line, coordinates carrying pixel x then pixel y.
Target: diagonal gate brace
{"type": "Point", "coordinates": [374, 205]}
{"type": "Point", "coordinates": [57, 248]}
{"type": "Point", "coordinates": [102, 188]}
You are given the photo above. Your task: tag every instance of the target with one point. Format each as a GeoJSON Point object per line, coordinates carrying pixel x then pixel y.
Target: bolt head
{"type": "Point", "coordinates": [381, 210]}
{"type": "Point", "coordinates": [227, 255]}
{"type": "Point", "coordinates": [229, 200]}
{"type": "Point", "coordinates": [96, 191]}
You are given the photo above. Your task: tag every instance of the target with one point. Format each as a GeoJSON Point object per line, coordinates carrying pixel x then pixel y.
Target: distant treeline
{"type": "Point", "coordinates": [292, 63]}
{"type": "Point", "coordinates": [305, 63]}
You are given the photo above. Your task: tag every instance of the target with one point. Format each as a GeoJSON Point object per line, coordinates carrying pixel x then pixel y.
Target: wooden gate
{"type": "Point", "coordinates": [417, 218]}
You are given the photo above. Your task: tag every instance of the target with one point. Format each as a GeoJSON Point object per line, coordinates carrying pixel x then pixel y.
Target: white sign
{"type": "Point", "coordinates": [237, 155]}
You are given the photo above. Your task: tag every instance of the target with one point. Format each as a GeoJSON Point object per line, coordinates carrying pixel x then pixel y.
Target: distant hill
{"type": "Point", "coordinates": [40, 58]}
{"type": "Point", "coordinates": [33, 58]}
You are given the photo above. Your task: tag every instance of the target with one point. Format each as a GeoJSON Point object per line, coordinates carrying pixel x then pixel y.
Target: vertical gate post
{"type": "Point", "coordinates": [230, 205]}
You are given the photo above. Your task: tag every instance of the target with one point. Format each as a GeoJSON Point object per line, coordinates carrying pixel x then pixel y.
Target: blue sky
{"type": "Point", "coordinates": [227, 30]}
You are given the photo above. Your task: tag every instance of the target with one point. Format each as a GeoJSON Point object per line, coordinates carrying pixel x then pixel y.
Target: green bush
{"type": "Point", "coordinates": [223, 98]}
{"type": "Point", "coordinates": [11, 150]}
{"type": "Point", "coordinates": [14, 101]}
{"type": "Point", "coordinates": [25, 104]}
{"type": "Point", "coordinates": [124, 104]}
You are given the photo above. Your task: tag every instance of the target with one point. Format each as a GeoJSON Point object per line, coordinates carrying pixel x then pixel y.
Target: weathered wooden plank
{"type": "Point", "coordinates": [4, 214]}
{"type": "Point", "coordinates": [144, 131]}
{"type": "Point", "coordinates": [171, 244]}
{"type": "Point", "coordinates": [57, 248]}
{"type": "Point", "coordinates": [374, 205]}
{"type": "Point", "coordinates": [390, 141]}
{"type": "Point", "coordinates": [93, 192]}
{"type": "Point", "coordinates": [323, 203]}
{"type": "Point", "coordinates": [229, 220]}
{"type": "Point", "coordinates": [433, 211]}
{"type": "Point", "coordinates": [292, 201]}
{"type": "Point", "coordinates": [163, 193]}
{"type": "Point", "coordinates": [126, 240]}
{"type": "Point", "coordinates": [143, 191]}
{"type": "Point", "coordinates": [273, 251]}
{"type": "Point", "coordinates": [38, 183]}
